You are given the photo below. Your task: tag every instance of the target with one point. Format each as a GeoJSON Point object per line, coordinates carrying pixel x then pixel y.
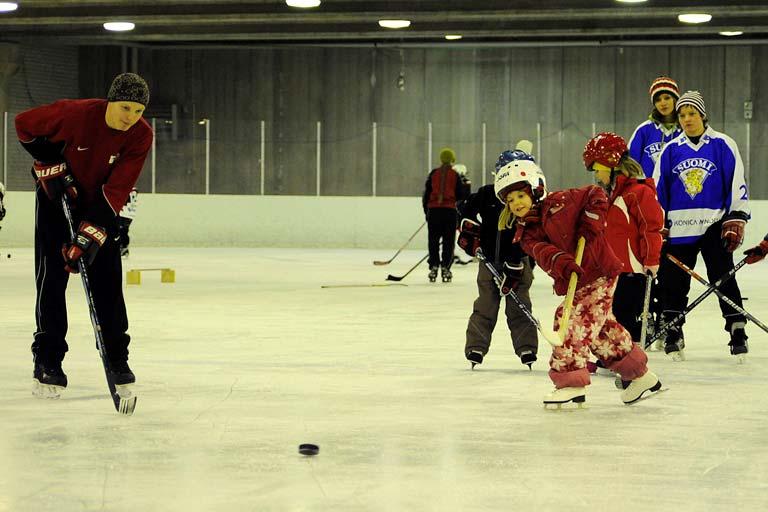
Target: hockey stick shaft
{"type": "Point", "coordinates": [646, 306]}
{"type": "Point", "coordinates": [122, 405]}
{"type": "Point", "coordinates": [568, 304]}
{"type": "Point", "coordinates": [387, 262]}
{"type": "Point", "coordinates": [720, 294]}
{"type": "Point", "coordinates": [664, 329]}
{"type": "Point", "coordinates": [390, 277]}
{"type": "Point", "coordinates": [551, 338]}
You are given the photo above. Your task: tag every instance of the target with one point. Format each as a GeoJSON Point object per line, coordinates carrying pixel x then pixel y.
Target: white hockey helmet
{"type": "Point", "coordinates": [461, 169]}
{"type": "Point", "coordinates": [519, 174]}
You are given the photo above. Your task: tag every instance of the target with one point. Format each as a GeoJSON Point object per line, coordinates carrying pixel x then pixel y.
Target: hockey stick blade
{"type": "Point", "coordinates": [387, 262]}
{"type": "Point", "coordinates": [390, 277]}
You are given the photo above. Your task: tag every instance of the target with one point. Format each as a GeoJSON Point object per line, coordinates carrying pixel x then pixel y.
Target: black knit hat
{"type": "Point", "coordinates": [129, 87]}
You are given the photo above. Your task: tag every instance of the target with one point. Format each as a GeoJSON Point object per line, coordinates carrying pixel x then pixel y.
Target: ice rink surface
{"type": "Point", "coordinates": [246, 356]}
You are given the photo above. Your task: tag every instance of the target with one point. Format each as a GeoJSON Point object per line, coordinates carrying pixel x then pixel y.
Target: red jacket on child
{"type": "Point", "coordinates": [635, 219]}
{"type": "Point", "coordinates": [553, 226]}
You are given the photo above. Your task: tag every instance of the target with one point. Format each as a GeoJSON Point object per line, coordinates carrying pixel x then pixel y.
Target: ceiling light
{"type": "Point", "coordinates": [8, 6]}
{"type": "Point", "coordinates": [394, 23]}
{"type": "Point", "coordinates": [452, 37]}
{"type": "Point", "coordinates": [119, 26]}
{"type": "Point", "coordinates": [304, 4]}
{"type": "Point", "coordinates": [694, 18]}
{"type": "Point", "coordinates": [731, 33]}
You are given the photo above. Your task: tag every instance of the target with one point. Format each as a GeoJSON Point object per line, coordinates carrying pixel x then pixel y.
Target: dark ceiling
{"type": "Point", "coordinates": [256, 22]}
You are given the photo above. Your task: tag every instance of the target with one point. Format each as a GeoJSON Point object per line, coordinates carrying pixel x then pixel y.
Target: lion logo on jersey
{"type": "Point", "coordinates": [693, 173]}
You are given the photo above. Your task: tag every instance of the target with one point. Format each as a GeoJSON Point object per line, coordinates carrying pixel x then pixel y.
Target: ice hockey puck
{"type": "Point", "coordinates": [309, 449]}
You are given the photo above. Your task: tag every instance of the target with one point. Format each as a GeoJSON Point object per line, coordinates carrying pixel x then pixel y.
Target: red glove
{"type": "Point", "coordinates": [732, 234]}
{"type": "Point", "coordinates": [55, 180]}
{"type": "Point", "coordinates": [469, 236]}
{"type": "Point", "coordinates": [565, 265]}
{"type": "Point", "coordinates": [757, 253]}
{"type": "Point", "coordinates": [511, 275]}
{"type": "Point", "coordinates": [88, 240]}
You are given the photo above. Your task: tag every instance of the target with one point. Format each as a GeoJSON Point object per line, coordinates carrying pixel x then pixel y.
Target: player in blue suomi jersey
{"type": "Point", "coordinates": [651, 135]}
{"type": "Point", "coordinates": [701, 187]}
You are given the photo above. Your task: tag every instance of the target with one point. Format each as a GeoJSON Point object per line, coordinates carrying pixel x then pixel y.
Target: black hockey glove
{"type": "Point", "coordinates": [469, 236]}
{"type": "Point", "coordinates": [511, 273]}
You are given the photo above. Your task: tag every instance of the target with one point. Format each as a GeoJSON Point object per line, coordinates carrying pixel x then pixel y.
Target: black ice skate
{"type": "Point", "coordinates": [738, 343]}
{"type": "Point", "coordinates": [475, 357]}
{"type": "Point", "coordinates": [445, 275]}
{"type": "Point", "coordinates": [121, 373]}
{"type": "Point", "coordinates": [49, 380]}
{"type": "Point", "coordinates": [432, 274]}
{"type": "Point", "coordinates": [674, 345]}
{"type": "Point", "coordinates": [528, 357]}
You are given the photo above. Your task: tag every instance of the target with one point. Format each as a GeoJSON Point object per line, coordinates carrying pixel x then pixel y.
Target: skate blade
{"type": "Point", "coordinates": [46, 391]}
{"type": "Point", "coordinates": [741, 358]}
{"type": "Point", "coordinates": [127, 403]}
{"type": "Point", "coordinates": [577, 402]}
{"type": "Point", "coordinates": [648, 393]}
{"type": "Point", "coordinates": [564, 406]}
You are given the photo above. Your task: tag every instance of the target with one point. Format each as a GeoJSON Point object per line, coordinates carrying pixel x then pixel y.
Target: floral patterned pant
{"type": "Point", "coordinates": [592, 327]}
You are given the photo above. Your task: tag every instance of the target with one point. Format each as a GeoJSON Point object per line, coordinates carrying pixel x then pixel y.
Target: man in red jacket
{"type": "Point", "coordinates": [93, 151]}
{"type": "Point", "coordinates": [444, 187]}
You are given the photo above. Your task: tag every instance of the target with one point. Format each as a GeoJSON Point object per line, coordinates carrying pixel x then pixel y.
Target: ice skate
{"type": "Point", "coordinates": [48, 380]}
{"type": "Point", "coordinates": [445, 275]}
{"type": "Point", "coordinates": [674, 345]}
{"type": "Point", "coordinates": [432, 274]}
{"type": "Point", "coordinates": [123, 377]}
{"type": "Point", "coordinates": [121, 373]}
{"type": "Point", "coordinates": [475, 357]}
{"type": "Point", "coordinates": [528, 357]}
{"type": "Point", "coordinates": [634, 392]}
{"type": "Point", "coordinates": [738, 344]}
{"type": "Point", "coordinates": [560, 397]}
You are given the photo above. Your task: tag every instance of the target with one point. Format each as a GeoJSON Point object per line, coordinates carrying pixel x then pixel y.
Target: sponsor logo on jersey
{"type": "Point", "coordinates": [82, 149]}
{"type": "Point", "coordinates": [693, 172]}
{"type": "Point", "coordinates": [113, 158]}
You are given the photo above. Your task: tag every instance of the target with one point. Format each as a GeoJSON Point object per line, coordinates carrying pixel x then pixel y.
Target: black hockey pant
{"type": "Point", "coordinates": [675, 283]}
{"type": "Point", "coordinates": [105, 276]}
{"type": "Point", "coordinates": [441, 225]}
{"type": "Point", "coordinates": [628, 303]}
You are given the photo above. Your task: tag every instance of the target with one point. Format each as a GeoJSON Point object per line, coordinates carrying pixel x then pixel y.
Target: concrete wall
{"type": "Point", "coordinates": [166, 220]}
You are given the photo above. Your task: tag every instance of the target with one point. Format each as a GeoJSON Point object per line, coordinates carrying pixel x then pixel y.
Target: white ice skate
{"type": "Point", "coordinates": [560, 397]}
{"type": "Point", "coordinates": [647, 383]}
{"type": "Point", "coordinates": [49, 391]}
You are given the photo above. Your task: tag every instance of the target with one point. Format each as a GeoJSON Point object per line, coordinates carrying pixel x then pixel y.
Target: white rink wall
{"type": "Point", "coordinates": [183, 220]}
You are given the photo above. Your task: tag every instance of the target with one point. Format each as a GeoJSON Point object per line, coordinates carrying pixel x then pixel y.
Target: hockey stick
{"type": "Point", "coordinates": [720, 294]}
{"type": "Point", "coordinates": [550, 336]}
{"type": "Point", "coordinates": [387, 262]}
{"type": "Point", "coordinates": [664, 329]}
{"type": "Point", "coordinates": [646, 306]}
{"type": "Point", "coordinates": [390, 277]}
{"type": "Point", "coordinates": [568, 304]}
{"type": "Point", "coordinates": [122, 405]}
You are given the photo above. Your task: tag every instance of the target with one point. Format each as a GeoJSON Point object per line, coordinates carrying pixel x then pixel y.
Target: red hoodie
{"type": "Point", "coordinates": [553, 227]}
{"type": "Point", "coordinates": [635, 219]}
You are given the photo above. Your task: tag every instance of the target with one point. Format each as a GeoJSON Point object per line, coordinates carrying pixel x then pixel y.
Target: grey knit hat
{"type": "Point", "coordinates": [692, 99]}
{"type": "Point", "coordinates": [129, 87]}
